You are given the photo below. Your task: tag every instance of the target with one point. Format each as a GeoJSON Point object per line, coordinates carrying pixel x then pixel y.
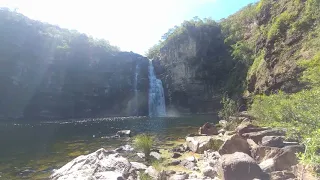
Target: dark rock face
{"type": "Point", "coordinates": [191, 69]}
{"type": "Point", "coordinates": [68, 91]}
{"type": "Point", "coordinates": [52, 73]}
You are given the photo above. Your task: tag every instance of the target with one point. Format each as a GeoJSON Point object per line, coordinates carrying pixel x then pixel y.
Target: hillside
{"type": "Point", "coordinates": [268, 53]}
{"type": "Point", "coordinates": [52, 73]}
{"type": "Point", "coordinates": [254, 51]}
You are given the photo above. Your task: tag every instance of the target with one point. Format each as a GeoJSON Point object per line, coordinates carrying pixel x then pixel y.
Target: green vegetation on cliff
{"type": "Point", "coordinates": [272, 50]}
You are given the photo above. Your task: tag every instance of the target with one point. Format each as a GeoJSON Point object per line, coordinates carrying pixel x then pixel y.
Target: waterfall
{"type": "Point", "coordinates": [157, 106]}
{"type": "Point", "coordinates": [135, 87]}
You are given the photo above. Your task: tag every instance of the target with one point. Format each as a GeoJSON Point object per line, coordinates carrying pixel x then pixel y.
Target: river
{"type": "Point", "coordinates": [33, 150]}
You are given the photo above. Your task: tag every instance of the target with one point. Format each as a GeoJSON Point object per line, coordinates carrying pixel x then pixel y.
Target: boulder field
{"type": "Point", "coordinates": [246, 153]}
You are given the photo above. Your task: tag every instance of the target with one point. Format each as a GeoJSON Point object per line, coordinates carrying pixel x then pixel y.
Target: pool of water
{"type": "Point", "coordinates": [33, 150]}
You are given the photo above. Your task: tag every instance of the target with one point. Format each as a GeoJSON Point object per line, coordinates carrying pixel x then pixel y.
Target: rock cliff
{"type": "Point", "coordinates": [53, 73]}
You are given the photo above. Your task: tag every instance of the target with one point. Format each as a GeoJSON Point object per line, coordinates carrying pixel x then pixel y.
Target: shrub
{"type": "Point", "coordinates": [280, 24]}
{"type": "Point", "coordinates": [312, 72]}
{"type": "Point", "coordinates": [311, 154]}
{"type": "Point", "coordinates": [299, 113]}
{"type": "Point", "coordinates": [144, 143]}
{"type": "Point", "coordinates": [257, 63]}
{"type": "Point", "coordinates": [230, 107]}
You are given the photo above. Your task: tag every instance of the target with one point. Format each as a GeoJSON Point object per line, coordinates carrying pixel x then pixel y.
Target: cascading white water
{"type": "Point", "coordinates": [135, 86]}
{"type": "Point", "coordinates": [157, 106]}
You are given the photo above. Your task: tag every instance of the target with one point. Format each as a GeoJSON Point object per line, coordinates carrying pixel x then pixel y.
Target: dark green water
{"type": "Point", "coordinates": [32, 150]}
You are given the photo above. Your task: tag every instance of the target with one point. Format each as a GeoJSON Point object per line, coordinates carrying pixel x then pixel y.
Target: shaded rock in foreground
{"type": "Point", "coordinates": [98, 165]}
{"type": "Point", "coordinates": [239, 166]}
{"type": "Point", "coordinates": [272, 141]}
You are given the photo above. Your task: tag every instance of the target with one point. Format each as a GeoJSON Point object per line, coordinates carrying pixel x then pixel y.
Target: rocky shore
{"type": "Point", "coordinates": [235, 149]}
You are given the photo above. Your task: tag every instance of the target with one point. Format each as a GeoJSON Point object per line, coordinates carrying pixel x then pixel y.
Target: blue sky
{"type": "Point", "coordinates": [132, 25]}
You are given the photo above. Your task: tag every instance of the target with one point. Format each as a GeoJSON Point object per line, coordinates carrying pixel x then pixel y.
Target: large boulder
{"type": "Point", "coordinates": [239, 166]}
{"type": "Point", "coordinates": [257, 136]}
{"type": "Point", "coordinates": [283, 158]}
{"type": "Point", "coordinates": [235, 144]}
{"type": "Point", "coordinates": [246, 127]}
{"type": "Point", "coordinates": [208, 129]}
{"type": "Point", "coordinates": [101, 164]}
{"type": "Point", "coordinates": [272, 141]}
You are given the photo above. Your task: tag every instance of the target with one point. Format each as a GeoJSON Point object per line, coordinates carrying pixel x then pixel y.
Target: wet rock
{"type": "Point", "coordinates": [101, 164]}
{"type": "Point", "coordinates": [257, 136]}
{"type": "Point", "coordinates": [176, 155]}
{"type": "Point", "coordinates": [234, 144]}
{"type": "Point", "coordinates": [155, 155]}
{"type": "Point", "coordinates": [124, 133]}
{"type": "Point", "coordinates": [272, 141]}
{"type": "Point", "coordinates": [208, 129]}
{"type": "Point", "coordinates": [234, 165]}
{"type": "Point", "coordinates": [138, 166]}
{"type": "Point", "coordinates": [283, 158]}
{"type": "Point", "coordinates": [282, 175]}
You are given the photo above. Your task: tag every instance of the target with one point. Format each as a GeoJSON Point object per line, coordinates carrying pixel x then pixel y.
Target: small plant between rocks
{"type": "Point", "coordinates": [144, 143]}
{"type": "Point", "coordinates": [229, 107]}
